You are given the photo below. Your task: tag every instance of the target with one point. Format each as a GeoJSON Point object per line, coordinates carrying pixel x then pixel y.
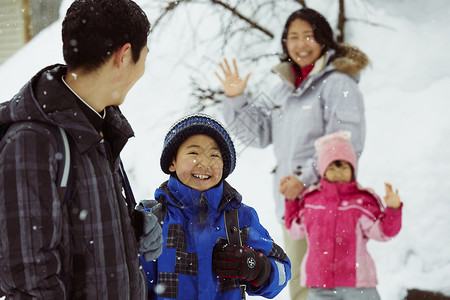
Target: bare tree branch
{"type": "Point", "coordinates": [205, 97]}
{"type": "Point", "coordinates": [302, 3]}
{"type": "Point", "coordinates": [341, 21]}
{"type": "Point", "coordinates": [252, 23]}
{"type": "Point", "coordinates": [261, 56]}
{"type": "Point", "coordinates": [370, 23]}
{"type": "Point", "coordinates": [171, 6]}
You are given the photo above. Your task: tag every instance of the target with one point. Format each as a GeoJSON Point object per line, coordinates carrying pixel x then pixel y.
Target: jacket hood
{"type": "Point", "coordinates": [45, 98]}
{"type": "Point", "coordinates": [352, 63]}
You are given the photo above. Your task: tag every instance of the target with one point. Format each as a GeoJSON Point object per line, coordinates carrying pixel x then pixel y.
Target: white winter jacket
{"type": "Point", "coordinates": [292, 119]}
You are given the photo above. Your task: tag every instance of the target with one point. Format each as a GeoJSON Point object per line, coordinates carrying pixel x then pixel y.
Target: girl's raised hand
{"type": "Point", "coordinates": [233, 84]}
{"type": "Point", "coordinates": [392, 199]}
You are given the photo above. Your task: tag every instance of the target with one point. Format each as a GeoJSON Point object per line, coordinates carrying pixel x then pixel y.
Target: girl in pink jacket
{"type": "Point", "coordinates": [338, 217]}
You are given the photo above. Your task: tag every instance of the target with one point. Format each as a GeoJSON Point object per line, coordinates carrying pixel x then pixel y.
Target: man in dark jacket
{"type": "Point", "coordinates": [88, 247]}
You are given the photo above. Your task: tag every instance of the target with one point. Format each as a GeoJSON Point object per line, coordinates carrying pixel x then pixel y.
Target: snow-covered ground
{"type": "Point", "coordinates": [407, 97]}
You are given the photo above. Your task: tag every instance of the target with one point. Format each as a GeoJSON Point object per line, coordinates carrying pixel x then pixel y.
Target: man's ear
{"type": "Point", "coordinates": [172, 167]}
{"type": "Point", "coordinates": [123, 54]}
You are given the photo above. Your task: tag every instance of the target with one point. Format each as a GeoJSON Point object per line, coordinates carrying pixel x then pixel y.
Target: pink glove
{"type": "Point", "coordinates": [291, 208]}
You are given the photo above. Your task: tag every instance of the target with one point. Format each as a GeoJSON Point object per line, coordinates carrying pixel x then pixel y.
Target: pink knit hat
{"type": "Point", "coordinates": [332, 147]}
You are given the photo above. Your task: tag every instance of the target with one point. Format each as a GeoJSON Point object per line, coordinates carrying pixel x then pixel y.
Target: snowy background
{"type": "Point", "coordinates": [407, 98]}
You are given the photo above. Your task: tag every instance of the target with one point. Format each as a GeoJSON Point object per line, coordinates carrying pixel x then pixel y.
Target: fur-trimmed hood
{"type": "Point", "coordinates": [352, 63]}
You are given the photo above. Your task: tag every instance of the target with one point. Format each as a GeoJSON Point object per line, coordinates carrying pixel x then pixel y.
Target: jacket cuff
{"type": "Point", "coordinates": [394, 211]}
{"type": "Point", "coordinates": [392, 222]}
{"type": "Point", "coordinates": [237, 102]}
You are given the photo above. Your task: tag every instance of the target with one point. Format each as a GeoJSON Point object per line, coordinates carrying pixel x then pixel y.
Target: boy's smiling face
{"type": "Point", "coordinates": [198, 162]}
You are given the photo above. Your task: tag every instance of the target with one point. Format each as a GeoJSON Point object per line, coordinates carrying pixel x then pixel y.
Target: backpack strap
{"type": "Point", "coordinates": [231, 219]}
{"type": "Point", "coordinates": [129, 197]}
{"type": "Point", "coordinates": [64, 174]}
{"type": "Point", "coordinates": [65, 182]}
{"type": "Point", "coordinates": [65, 171]}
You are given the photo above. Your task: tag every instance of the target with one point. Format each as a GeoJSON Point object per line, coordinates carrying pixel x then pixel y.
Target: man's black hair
{"type": "Point", "coordinates": [94, 29]}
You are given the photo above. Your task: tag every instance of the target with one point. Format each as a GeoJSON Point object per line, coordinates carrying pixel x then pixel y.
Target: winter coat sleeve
{"type": "Point", "coordinates": [296, 229]}
{"type": "Point", "coordinates": [291, 208]}
{"type": "Point", "coordinates": [260, 240]}
{"type": "Point", "coordinates": [385, 227]}
{"type": "Point", "coordinates": [251, 124]}
{"type": "Point", "coordinates": [30, 216]}
{"type": "Point", "coordinates": [344, 108]}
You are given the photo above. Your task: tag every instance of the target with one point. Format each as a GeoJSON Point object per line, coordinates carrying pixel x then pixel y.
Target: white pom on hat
{"type": "Point", "coordinates": [345, 135]}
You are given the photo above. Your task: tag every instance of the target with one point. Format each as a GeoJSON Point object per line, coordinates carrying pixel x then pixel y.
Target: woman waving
{"type": "Point", "coordinates": [317, 94]}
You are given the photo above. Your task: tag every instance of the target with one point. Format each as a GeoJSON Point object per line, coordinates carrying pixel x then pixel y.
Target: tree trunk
{"type": "Point", "coordinates": [341, 21]}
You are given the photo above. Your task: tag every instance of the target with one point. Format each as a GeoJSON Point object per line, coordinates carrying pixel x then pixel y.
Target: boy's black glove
{"type": "Point", "coordinates": [233, 261]}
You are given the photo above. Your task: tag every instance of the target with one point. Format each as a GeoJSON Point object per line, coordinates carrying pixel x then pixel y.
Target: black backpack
{"type": "Point", "coordinates": [64, 168]}
{"type": "Point", "coordinates": [64, 174]}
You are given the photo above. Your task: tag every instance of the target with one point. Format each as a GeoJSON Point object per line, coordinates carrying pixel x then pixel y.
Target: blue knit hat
{"type": "Point", "coordinates": [198, 124]}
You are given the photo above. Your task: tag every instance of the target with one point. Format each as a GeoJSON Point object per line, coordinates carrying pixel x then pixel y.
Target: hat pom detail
{"type": "Point", "coordinates": [345, 135]}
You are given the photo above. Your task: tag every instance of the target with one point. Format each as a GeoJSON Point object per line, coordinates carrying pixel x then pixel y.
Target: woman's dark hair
{"type": "Point", "coordinates": [93, 30]}
{"type": "Point", "coordinates": [323, 34]}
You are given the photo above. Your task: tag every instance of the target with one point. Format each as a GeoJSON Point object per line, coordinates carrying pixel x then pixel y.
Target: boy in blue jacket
{"type": "Point", "coordinates": [198, 260]}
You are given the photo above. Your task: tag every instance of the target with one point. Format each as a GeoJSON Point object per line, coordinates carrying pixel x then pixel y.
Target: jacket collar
{"type": "Point", "coordinates": [342, 188]}
{"type": "Point", "coordinates": [351, 63]}
{"type": "Point", "coordinates": [284, 69]}
{"type": "Point", "coordinates": [190, 200]}
{"type": "Point", "coordinates": [46, 99]}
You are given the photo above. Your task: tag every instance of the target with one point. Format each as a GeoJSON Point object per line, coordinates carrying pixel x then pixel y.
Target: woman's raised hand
{"type": "Point", "coordinates": [233, 84]}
